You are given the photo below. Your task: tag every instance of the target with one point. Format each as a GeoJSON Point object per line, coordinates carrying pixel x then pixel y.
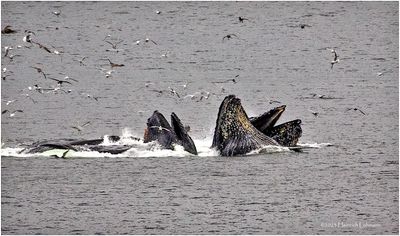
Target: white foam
{"type": "Point", "coordinates": [315, 145]}
{"type": "Point", "coordinates": [269, 149]}
{"type": "Point", "coordinates": [152, 149]}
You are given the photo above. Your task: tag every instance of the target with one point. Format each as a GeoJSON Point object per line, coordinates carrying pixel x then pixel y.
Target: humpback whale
{"type": "Point", "coordinates": [78, 145]}
{"type": "Point", "coordinates": [158, 129]}
{"type": "Point", "coordinates": [234, 134]}
{"type": "Point", "coordinates": [286, 134]}
{"type": "Point", "coordinates": [237, 134]}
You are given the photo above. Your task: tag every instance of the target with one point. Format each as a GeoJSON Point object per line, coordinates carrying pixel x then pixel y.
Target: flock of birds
{"type": "Point", "coordinates": [29, 40]}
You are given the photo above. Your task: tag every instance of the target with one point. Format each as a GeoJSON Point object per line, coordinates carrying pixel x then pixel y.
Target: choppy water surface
{"type": "Point", "coordinates": [348, 188]}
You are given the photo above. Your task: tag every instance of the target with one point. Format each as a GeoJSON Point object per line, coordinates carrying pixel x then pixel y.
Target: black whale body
{"type": "Point", "coordinates": [79, 145]}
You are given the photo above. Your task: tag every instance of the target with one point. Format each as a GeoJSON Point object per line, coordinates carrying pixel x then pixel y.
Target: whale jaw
{"type": "Point", "coordinates": [234, 134]}
{"type": "Point", "coordinates": [268, 119]}
{"type": "Point", "coordinates": [286, 134]}
{"type": "Point", "coordinates": [158, 129]}
{"type": "Point", "coordinates": [182, 136]}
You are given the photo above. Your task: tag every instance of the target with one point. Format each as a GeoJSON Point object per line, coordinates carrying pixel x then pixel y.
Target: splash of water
{"type": "Point", "coordinates": [152, 149]}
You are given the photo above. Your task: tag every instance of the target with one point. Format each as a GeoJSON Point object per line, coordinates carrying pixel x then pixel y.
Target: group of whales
{"type": "Point", "coordinates": [235, 133]}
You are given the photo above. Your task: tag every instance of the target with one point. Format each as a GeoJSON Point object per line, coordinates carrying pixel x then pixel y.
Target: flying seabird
{"type": "Point", "coordinates": [229, 36]}
{"type": "Point", "coordinates": [81, 61]}
{"type": "Point", "coordinates": [11, 101]}
{"type": "Point", "coordinates": [160, 128]}
{"type": "Point", "coordinates": [28, 38]}
{"type": "Point", "coordinates": [225, 81]}
{"type": "Point", "coordinates": [304, 25]}
{"type": "Point", "coordinates": [27, 95]}
{"type": "Point", "coordinates": [106, 72]}
{"type": "Point", "coordinates": [11, 113]}
{"type": "Point", "coordinates": [114, 64]}
{"type": "Point", "coordinates": [147, 40]}
{"type": "Point", "coordinates": [241, 19]}
{"type": "Point", "coordinates": [147, 84]}
{"type": "Point", "coordinates": [57, 13]}
{"type": "Point", "coordinates": [11, 57]}
{"type": "Point", "coordinates": [7, 30]}
{"type": "Point", "coordinates": [42, 46]}
{"type": "Point", "coordinates": [273, 101]}
{"type": "Point", "coordinates": [60, 82]}
{"type": "Point", "coordinates": [335, 59]}
{"type": "Point", "coordinates": [174, 92]}
{"type": "Point", "coordinates": [313, 112]}
{"type": "Point", "coordinates": [355, 109]}
{"type": "Point", "coordinates": [40, 71]}
{"type": "Point", "coordinates": [7, 49]}
{"type": "Point", "coordinates": [79, 128]}
{"type": "Point", "coordinates": [114, 45]}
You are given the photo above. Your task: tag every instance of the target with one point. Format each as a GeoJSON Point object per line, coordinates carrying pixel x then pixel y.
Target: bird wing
{"type": "Point", "coordinates": [55, 79]}
{"type": "Point", "coordinates": [73, 79]}
{"type": "Point", "coordinates": [39, 70]}
{"type": "Point", "coordinates": [113, 45]}
{"type": "Point", "coordinates": [65, 153]}
{"type": "Point", "coordinates": [77, 128]}
{"type": "Point", "coordinates": [85, 124]}
{"type": "Point", "coordinates": [361, 111]}
{"type": "Point", "coordinates": [118, 42]}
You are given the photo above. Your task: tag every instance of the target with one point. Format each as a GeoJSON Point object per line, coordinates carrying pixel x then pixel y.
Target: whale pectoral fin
{"type": "Point", "coordinates": [181, 134]}
{"type": "Point", "coordinates": [286, 134]}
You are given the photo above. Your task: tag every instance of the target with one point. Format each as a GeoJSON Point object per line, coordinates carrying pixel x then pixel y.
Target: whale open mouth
{"type": "Point", "coordinates": [267, 120]}
{"type": "Point", "coordinates": [286, 134]}
{"type": "Point", "coordinates": [158, 129]}
{"type": "Point", "coordinates": [234, 134]}
{"type": "Point", "coordinates": [182, 136]}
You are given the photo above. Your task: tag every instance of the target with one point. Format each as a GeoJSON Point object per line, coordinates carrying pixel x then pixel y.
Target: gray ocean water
{"type": "Point", "coordinates": [350, 187]}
